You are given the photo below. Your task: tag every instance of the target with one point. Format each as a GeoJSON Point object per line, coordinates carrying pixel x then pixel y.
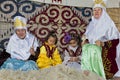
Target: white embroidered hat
{"type": "Point", "coordinates": [20, 22]}
{"type": "Point", "coordinates": [100, 3]}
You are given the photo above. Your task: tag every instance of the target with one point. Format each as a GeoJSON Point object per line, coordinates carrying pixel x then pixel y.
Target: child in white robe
{"type": "Point", "coordinates": [21, 46]}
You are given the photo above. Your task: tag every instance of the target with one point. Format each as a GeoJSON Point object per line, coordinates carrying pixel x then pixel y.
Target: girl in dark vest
{"type": "Point", "coordinates": [73, 51]}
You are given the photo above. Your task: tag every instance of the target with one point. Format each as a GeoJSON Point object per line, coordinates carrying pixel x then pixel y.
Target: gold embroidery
{"type": "Point", "coordinates": [109, 44]}
{"type": "Point", "coordinates": [19, 23]}
{"type": "Point", "coordinates": [107, 63]}
{"type": "Point", "coordinates": [100, 2]}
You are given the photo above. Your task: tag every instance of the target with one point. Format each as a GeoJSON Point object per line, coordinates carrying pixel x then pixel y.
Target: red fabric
{"type": "Point", "coordinates": [109, 55]}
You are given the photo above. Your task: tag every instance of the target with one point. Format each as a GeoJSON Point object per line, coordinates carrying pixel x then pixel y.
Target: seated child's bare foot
{"type": "Point", "coordinates": [86, 72]}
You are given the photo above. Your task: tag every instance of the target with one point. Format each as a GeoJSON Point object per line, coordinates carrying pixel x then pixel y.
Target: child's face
{"type": "Point", "coordinates": [51, 40]}
{"type": "Point", "coordinates": [21, 33]}
{"type": "Point", "coordinates": [73, 43]}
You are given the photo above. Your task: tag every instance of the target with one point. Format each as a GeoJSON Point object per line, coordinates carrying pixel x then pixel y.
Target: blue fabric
{"type": "Point", "coordinates": [15, 64]}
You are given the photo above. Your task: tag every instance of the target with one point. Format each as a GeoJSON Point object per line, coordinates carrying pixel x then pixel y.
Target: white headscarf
{"type": "Point", "coordinates": [102, 29]}
{"type": "Point", "coordinates": [20, 23]}
{"type": "Point", "coordinates": [20, 48]}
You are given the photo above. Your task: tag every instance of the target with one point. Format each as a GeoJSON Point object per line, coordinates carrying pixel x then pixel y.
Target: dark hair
{"type": "Point", "coordinates": [52, 34]}
{"type": "Point", "coordinates": [72, 36]}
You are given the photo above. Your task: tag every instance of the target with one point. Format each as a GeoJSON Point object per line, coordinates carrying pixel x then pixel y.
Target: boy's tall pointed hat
{"type": "Point", "coordinates": [20, 22]}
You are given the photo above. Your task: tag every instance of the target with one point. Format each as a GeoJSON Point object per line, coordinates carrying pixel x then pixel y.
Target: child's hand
{"type": "Point", "coordinates": [71, 59]}
{"type": "Point", "coordinates": [75, 59]}
{"type": "Point", "coordinates": [32, 51]}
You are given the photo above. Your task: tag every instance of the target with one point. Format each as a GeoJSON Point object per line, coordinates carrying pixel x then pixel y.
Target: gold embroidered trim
{"type": "Point", "coordinates": [100, 2]}
{"type": "Point", "coordinates": [107, 63]}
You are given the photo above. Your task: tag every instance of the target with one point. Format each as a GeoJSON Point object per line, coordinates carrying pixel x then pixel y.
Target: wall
{"type": "Point", "coordinates": [115, 15]}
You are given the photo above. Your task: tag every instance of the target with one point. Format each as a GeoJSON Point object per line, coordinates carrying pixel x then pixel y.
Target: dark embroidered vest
{"type": "Point", "coordinates": [49, 51]}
